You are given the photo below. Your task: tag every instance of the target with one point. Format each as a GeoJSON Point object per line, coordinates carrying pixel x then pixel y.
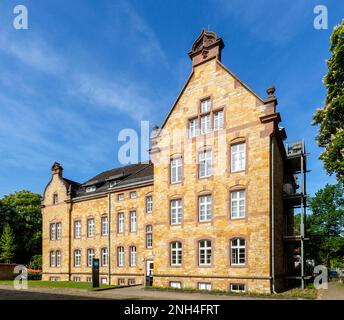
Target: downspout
{"type": "Point", "coordinates": [272, 215]}
{"type": "Point", "coordinates": [109, 239]}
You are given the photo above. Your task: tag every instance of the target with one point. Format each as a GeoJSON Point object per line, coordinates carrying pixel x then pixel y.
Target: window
{"type": "Point", "coordinates": [58, 230]}
{"type": "Point", "coordinates": [105, 226]}
{"type": "Point", "coordinates": [52, 231]}
{"type": "Point", "coordinates": [89, 279]}
{"type": "Point", "coordinates": [103, 280]}
{"type": "Point", "coordinates": [218, 120]}
{"type": "Point", "coordinates": [105, 257]}
{"type": "Point", "coordinates": [176, 170]}
{"type": "Point", "coordinates": [176, 253]}
{"type": "Point", "coordinates": [90, 257]}
{"type": "Point", "coordinates": [204, 252]}
{"type": "Point", "coordinates": [55, 199]}
{"type": "Point", "coordinates": [238, 247]}
{"type": "Point", "coordinates": [133, 194]}
{"type": "Point", "coordinates": [90, 227]}
{"type": "Point", "coordinates": [76, 279]}
{"type": "Point", "coordinates": [77, 229]}
{"type": "Point", "coordinates": [52, 259]}
{"type": "Point", "coordinates": [149, 204]}
{"type": "Point", "coordinates": [132, 256]}
{"type": "Point", "coordinates": [91, 189]}
{"type": "Point", "coordinates": [54, 278]}
{"type": "Point", "coordinates": [205, 105]}
{"type": "Point", "coordinates": [77, 258]}
{"type": "Point", "coordinates": [176, 211]}
{"type": "Point", "coordinates": [205, 124]}
{"type": "Point", "coordinates": [204, 286]}
{"type": "Point", "coordinates": [113, 183]}
{"type": "Point", "coordinates": [120, 222]}
{"type": "Point", "coordinates": [121, 282]}
{"type": "Point", "coordinates": [238, 157]}
{"type": "Point", "coordinates": [131, 282]}
{"type": "Point", "coordinates": [120, 196]}
{"type": "Point", "coordinates": [58, 258]}
{"type": "Point", "coordinates": [205, 163]}
{"type": "Point", "coordinates": [133, 221]}
{"type": "Point", "coordinates": [205, 208]}
{"type": "Point", "coordinates": [175, 284]}
{"type": "Point", "coordinates": [238, 204]}
{"type": "Point", "coordinates": [120, 256]}
{"type": "Point", "coordinates": [149, 236]}
{"type": "Point", "coordinates": [193, 128]}
{"type": "Point", "coordinates": [237, 287]}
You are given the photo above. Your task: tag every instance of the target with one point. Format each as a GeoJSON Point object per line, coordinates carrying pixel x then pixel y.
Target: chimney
{"type": "Point", "coordinates": [57, 169]}
{"type": "Point", "coordinates": [206, 47]}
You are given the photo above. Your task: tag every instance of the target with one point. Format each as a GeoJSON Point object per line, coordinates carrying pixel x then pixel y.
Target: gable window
{"type": "Point", "coordinates": [120, 196]}
{"type": "Point", "coordinates": [77, 258]}
{"type": "Point", "coordinates": [120, 256]}
{"type": "Point", "coordinates": [176, 253]}
{"type": "Point", "coordinates": [238, 204]}
{"type": "Point", "coordinates": [205, 208]}
{"type": "Point", "coordinates": [149, 236]}
{"type": "Point", "coordinates": [58, 231]}
{"type": "Point", "coordinates": [133, 256]}
{"type": "Point", "coordinates": [238, 251]}
{"type": "Point", "coordinates": [77, 229]}
{"type": "Point", "coordinates": [90, 257]}
{"type": "Point", "coordinates": [105, 257]}
{"type": "Point", "coordinates": [205, 164]}
{"type": "Point", "coordinates": [176, 170]}
{"type": "Point", "coordinates": [90, 227]}
{"type": "Point", "coordinates": [91, 189]}
{"type": "Point", "coordinates": [52, 231]}
{"type": "Point", "coordinates": [204, 247]}
{"type": "Point", "coordinates": [149, 204]}
{"type": "Point", "coordinates": [55, 199]}
{"type": "Point", "coordinates": [176, 211]}
{"type": "Point", "coordinates": [205, 105]}
{"type": "Point", "coordinates": [238, 157]}
{"type": "Point", "coordinates": [218, 120]}
{"type": "Point", "coordinates": [133, 221]}
{"type": "Point", "coordinates": [52, 259]}
{"type": "Point", "coordinates": [58, 258]}
{"type": "Point", "coordinates": [205, 124]}
{"type": "Point", "coordinates": [193, 128]}
{"type": "Point", "coordinates": [105, 226]}
{"type": "Point", "coordinates": [133, 194]}
{"type": "Point", "coordinates": [120, 222]}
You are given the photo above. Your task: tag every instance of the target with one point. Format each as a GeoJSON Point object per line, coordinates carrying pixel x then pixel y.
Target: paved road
{"type": "Point", "coordinates": [335, 291]}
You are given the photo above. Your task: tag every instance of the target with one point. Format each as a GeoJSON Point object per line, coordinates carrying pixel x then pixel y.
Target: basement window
{"type": "Point", "coordinates": [237, 287]}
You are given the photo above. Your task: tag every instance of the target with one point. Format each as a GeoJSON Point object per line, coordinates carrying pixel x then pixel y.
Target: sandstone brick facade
{"type": "Point", "coordinates": [247, 120]}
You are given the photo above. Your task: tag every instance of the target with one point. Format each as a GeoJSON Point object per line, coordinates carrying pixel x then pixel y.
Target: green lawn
{"type": "Point", "coordinates": [62, 284]}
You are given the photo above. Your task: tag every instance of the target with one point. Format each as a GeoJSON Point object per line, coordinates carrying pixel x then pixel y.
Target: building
{"type": "Point", "coordinates": [212, 210]}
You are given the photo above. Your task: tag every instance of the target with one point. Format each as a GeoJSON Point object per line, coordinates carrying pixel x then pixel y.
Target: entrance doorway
{"type": "Point", "coordinates": [149, 273]}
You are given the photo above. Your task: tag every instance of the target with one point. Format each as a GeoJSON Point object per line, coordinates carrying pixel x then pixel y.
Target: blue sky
{"type": "Point", "coordinates": [86, 69]}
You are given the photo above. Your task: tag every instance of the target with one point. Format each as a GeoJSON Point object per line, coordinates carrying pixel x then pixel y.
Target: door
{"type": "Point", "coordinates": [149, 273]}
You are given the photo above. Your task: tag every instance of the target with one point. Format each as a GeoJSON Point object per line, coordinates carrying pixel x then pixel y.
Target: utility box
{"type": "Point", "coordinates": [95, 273]}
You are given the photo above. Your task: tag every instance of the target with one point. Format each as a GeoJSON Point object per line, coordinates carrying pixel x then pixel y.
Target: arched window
{"type": "Point", "coordinates": [176, 253]}
{"type": "Point", "coordinates": [204, 247]}
{"type": "Point", "coordinates": [120, 256]}
{"type": "Point", "coordinates": [149, 236]}
{"type": "Point", "coordinates": [77, 258]}
{"type": "Point", "coordinates": [105, 257]}
{"type": "Point", "coordinates": [90, 257]}
{"type": "Point", "coordinates": [238, 251]}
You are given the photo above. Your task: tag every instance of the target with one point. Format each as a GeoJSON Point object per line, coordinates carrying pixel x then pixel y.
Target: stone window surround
{"type": "Point", "coordinates": [74, 251]}
{"type": "Point", "coordinates": [197, 247]}
{"type": "Point", "coordinates": [235, 141]}
{"type": "Point", "coordinates": [229, 250]}
{"type": "Point", "coordinates": [172, 157]}
{"type": "Point", "coordinates": [182, 242]}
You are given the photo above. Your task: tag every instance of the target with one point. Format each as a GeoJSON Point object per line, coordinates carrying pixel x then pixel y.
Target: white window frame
{"type": "Point", "coordinates": [218, 120]}
{"type": "Point", "coordinates": [120, 221]}
{"type": "Point", "coordinates": [120, 256]}
{"type": "Point", "coordinates": [77, 229]}
{"type": "Point", "coordinates": [204, 286]}
{"type": "Point", "coordinates": [193, 127]}
{"type": "Point", "coordinates": [238, 204]}
{"type": "Point", "coordinates": [176, 249]}
{"type": "Point", "coordinates": [58, 231]}
{"type": "Point", "coordinates": [120, 197]}
{"type": "Point", "coordinates": [238, 157]}
{"type": "Point", "coordinates": [52, 259]}
{"type": "Point", "coordinates": [105, 225]}
{"type": "Point", "coordinates": [149, 204]}
{"type": "Point", "coordinates": [205, 123]}
{"type": "Point", "coordinates": [52, 231]}
{"type": "Point", "coordinates": [58, 258]}
{"type": "Point", "coordinates": [133, 221]}
{"type": "Point", "coordinates": [77, 258]}
{"type": "Point", "coordinates": [90, 257]}
{"type": "Point", "coordinates": [205, 160]}
{"type": "Point", "coordinates": [234, 287]}
{"type": "Point", "coordinates": [205, 105]}
{"type": "Point", "coordinates": [175, 284]}
{"type": "Point", "coordinates": [90, 227]}
{"type": "Point", "coordinates": [133, 256]}
{"type": "Point", "coordinates": [104, 257]}
{"type": "Point", "coordinates": [205, 208]}
{"type": "Point", "coordinates": [176, 165]}
{"type": "Point", "coordinates": [91, 189]}
{"type": "Point", "coordinates": [205, 252]}
{"type": "Point", "coordinates": [149, 236]}
{"type": "Point", "coordinates": [238, 252]}
{"type": "Point", "coordinates": [133, 194]}
{"type": "Point", "coordinates": [176, 211]}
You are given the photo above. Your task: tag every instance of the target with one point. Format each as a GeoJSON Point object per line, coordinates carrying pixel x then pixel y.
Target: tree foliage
{"type": "Point", "coordinates": [7, 245]}
{"type": "Point", "coordinates": [23, 213]}
{"type": "Point", "coordinates": [331, 117]}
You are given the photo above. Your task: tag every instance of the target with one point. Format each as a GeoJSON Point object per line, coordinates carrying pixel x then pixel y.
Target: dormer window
{"type": "Point", "coordinates": [91, 189]}
{"type": "Point", "coordinates": [113, 183]}
{"type": "Point", "coordinates": [55, 199]}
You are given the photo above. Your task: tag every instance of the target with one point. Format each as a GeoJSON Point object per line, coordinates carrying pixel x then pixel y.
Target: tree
{"type": "Point", "coordinates": [7, 245]}
{"type": "Point", "coordinates": [331, 117]}
{"type": "Point", "coordinates": [22, 211]}
{"type": "Point", "coordinates": [325, 226]}
{"type": "Point", "coordinates": [36, 262]}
